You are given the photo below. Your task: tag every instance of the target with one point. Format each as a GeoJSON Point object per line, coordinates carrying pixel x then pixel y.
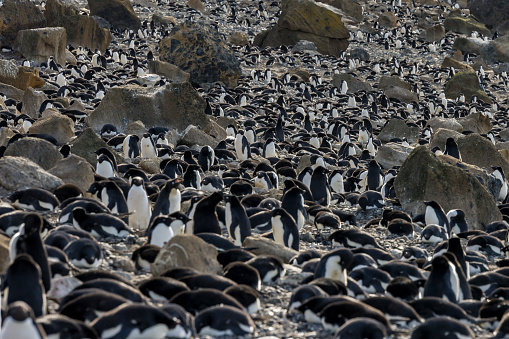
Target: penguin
{"type": "Point", "coordinates": [162, 288]}
{"type": "Point", "coordinates": [206, 158]}
{"type": "Point", "coordinates": [263, 181]}
{"type": "Point", "coordinates": [173, 169]}
{"type": "Point", "coordinates": [374, 176]}
{"type": "Point", "coordinates": [305, 176]}
{"type": "Point", "coordinates": [212, 184]}
{"type": "Point", "coordinates": [242, 273]}
{"type": "Point", "coordinates": [303, 293]}
{"type": "Point", "coordinates": [169, 199]}
{"type": "Point", "coordinates": [269, 149]}
{"type": "Point", "coordinates": [334, 265]}
{"type": "Point", "coordinates": [19, 322]}
{"type": "Point", "coordinates": [23, 283]}
{"type": "Point", "coordinates": [442, 327]}
{"type": "Point", "coordinates": [245, 294]}
{"type": "Point", "coordinates": [113, 197]}
{"type": "Point", "coordinates": [498, 173]}
{"type": "Point", "coordinates": [192, 177]}
{"type": "Point", "coordinates": [242, 147]}
{"type": "Point", "coordinates": [139, 205]}
{"type": "Point", "coordinates": [270, 268]}
{"type": "Point", "coordinates": [434, 234]}
{"type": "Point", "coordinates": [144, 256]}
{"type": "Point", "coordinates": [336, 182]}
{"type": "Point", "coordinates": [353, 238]}
{"type": "Point", "coordinates": [371, 279]}
{"type": "Point", "coordinates": [403, 288]}
{"type": "Point", "coordinates": [108, 131]}
{"type": "Point", "coordinates": [130, 146]}
{"type": "Point", "coordinates": [105, 167]}
{"type": "Point", "coordinates": [84, 253]}
{"type": "Point", "coordinates": [236, 219]}
{"type": "Point", "coordinates": [99, 225]}
{"type": "Point", "coordinates": [55, 325]}
{"type": "Point", "coordinates": [457, 221]}
{"type": "Point", "coordinates": [147, 146]}
{"type": "Point", "coordinates": [443, 281]}
{"type": "Point", "coordinates": [293, 203]}
{"type": "Point", "coordinates": [195, 301]}
{"type": "Point", "coordinates": [335, 314]}
{"type": "Point", "coordinates": [34, 199]}
{"type": "Point", "coordinates": [224, 320]}
{"type": "Point", "coordinates": [160, 232]}
{"type": "Point", "coordinates": [319, 186]}
{"type": "Point", "coordinates": [451, 148]}
{"type": "Point", "coordinates": [204, 217]}
{"type": "Point", "coordinates": [362, 328]}
{"type": "Point", "coordinates": [285, 229]}
{"type": "Point", "coordinates": [67, 191]}
{"type": "Point", "coordinates": [435, 215]}
{"type": "Point", "coordinates": [370, 200]}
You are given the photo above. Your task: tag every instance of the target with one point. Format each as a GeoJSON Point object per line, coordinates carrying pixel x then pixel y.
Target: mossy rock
{"type": "Point", "coordinates": [465, 82]}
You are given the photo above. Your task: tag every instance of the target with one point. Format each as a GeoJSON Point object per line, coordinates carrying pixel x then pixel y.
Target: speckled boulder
{"type": "Point", "coordinates": [465, 82]}
{"type": "Point", "coordinates": [464, 25]}
{"type": "Point", "coordinates": [16, 15]}
{"type": "Point", "coordinates": [20, 77]}
{"type": "Point", "coordinates": [119, 13]}
{"type": "Point", "coordinates": [38, 44]}
{"type": "Point", "coordinates": [200, 51]}
{"type": "Point", "coordinates": [40, 151]}
{"type": "Point", "coordinates": [493, 13]}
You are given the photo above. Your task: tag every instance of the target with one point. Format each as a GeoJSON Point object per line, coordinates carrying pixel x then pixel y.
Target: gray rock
{"type": "Point", "coordinates": [354, 84]}
{"type": "Point", "coordinates": [195, 136]}
{"type": "Point", "coordinates": [16, 15]}
{"type": "Point", "coordinates": [465, 25]}
{"type": "Point", "coordinates": [59, 126]}
{"type": "Point", "coordinates": [185, 250]}
{"type": "Point", "coordinates": [388, 19]}
{"type": "Point", "coordinates": [393, 81]}
{"type": "Point", "coordinates": [32, 101]}
{"type": "Point", "coordinates": [348, 7]}
{"type": "Point", "coordinates": [87, 143]}
{"type": "Point", "coordinates": [434, 33]}
{"type": "Point", "coordinates": [401, 94]}
{"type": "Point", "coordinates": [477, 123]}
{"type": "Point", "coordinates": [359, 53]}
{"type": "Point", "coordinates": [504, 134]}
{"type": "Point", "coordinates": [424, 177]}
{"type": "Point", "coordinates": [446, 123]}
{"type": "Point", "coordinates": [493, 13]}
{"type": "Point", "coordinates": [40, 151]}
{"type": "Point", "coordinates": [392, 154]}
{"type": "Point", "coordinates": [397, 128]}
{"type": "Point", "coordinates": [38, 44]}
{"type": "Point", "coordinates": [441, 135]}
{"type": "Point", "coordinates": [74, 170]}
{"type": "Point", "coordinates": [169, 71]}
{"type": "Point", "coordinates": [264, 246]}
{"type": "Point", "coordinates": [467, 83]}
{"type": "Point", "coordinates": [304, 45]}
{"type": "Point", "coordinates": [471, 45]}
{"type": "Point", "coordinates": [20, 173]}
{"type": "Point", "coordinates": [119, 13]}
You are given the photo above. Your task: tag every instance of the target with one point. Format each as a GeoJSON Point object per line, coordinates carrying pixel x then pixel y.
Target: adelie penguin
{"type": "Point", "coordinates": [160, 231]}
{"type": "Point", "coordinates": [319, 186]}
{"type": "Point", "coordinates": [147, 146]}
{"type": "Point", "coordinates": [242, 147]}
{"type": "Point", "coordinates": [130, 146]}
{"type": "Point", "coordinates": [435, 215]}
{"type": "Point", "coordinates": [84, 253]}
{"type": "Point", "coordinates": [443, 280]}
{"type": "Point", "coordinates": [104, 167]}
{"type": "Point", "coordinates": [451, 148]}
{"type": "Point", "coordinates": [205, 216]}
{"type": "Point", "coordinates": [285, 229]}
{"type": "Point", "coordinates": [100, 225]}
{"type": "Point", "coordinates": [19, 322]}
{"type": "Point", "coordinates": [34, 199]}
{"type": "Point", "coordinates": [139, 205]}
{"type": "Point", "coordinates": [236, 219]}
{"type": "Point", "coordinates": [293, 203]}
{"type": "Point", "coordinates": [169, 199]}
{"type": "Point", "coordinates": [206, 158]}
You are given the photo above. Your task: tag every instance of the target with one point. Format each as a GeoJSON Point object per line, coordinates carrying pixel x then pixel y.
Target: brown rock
{"type": "Point", "coordinates": [4, 252]}
{"type": "Point", "coordinates": [16, 15]}
{"type": "Point", "coordinates": [169, 71]}
{"type": "Point", "coordinates": [348, 7]}
{"type": "Point", "coordinates": [264, 246]}
{"type": "Point", "coordinates": [493, 13]}
{"type": "Point", "coordinates": [392, 154]}
{"type": "Point", "coordinates": [119, 13]}
{"type": "Point", "coordinates": [464, 25]}
{"type": "Point", "coordinates": [465, 82]}
{"type": "Point", "coordinates": [195, 136]}
{"type": "Point", "coordinates": [32, 101]}
{"type": "Point", "coordinates": [11, 92]}
{"type": "Point", "coordinates": [40, 151]}
{"type": "Point", "coordinates": [479, 151]}
{"type": "Point", "coordinates": [87, 143]}
{"type": "Point", "coordinates": [38, 44]}
{"type": "Point", "coordinates": [447, 123]}
{"type": "Point", "coordinates": [471, 45]}
{"type": "Point", "coordinates": [196, 4]}
{"type": "Point", "coordinates": [434, 33]}
{"type": "Point", "coordinates": [59, 126]}
{"type": "Point", "coordinates": [457, 65]}
{"type": "Point", "coordinates": [74, 170]}
{"type": "Point", "coordinates": [20, 77]}
{"type": "Point", "coordinates": [238, 39]}
{"type": "Point", "coordinates": [476, 122]}
{"type": "Point", "coordinates": [354, 84]}
{"type": "Point", "coordinates": [388, 19]}
{"type": "Point", "coordinates": [393, 81]}
{"type": "Point", "coordinates": [440, 136]}
{"type": "Point", "coordinates": [185, 250]}
{"type": "Point", "coordinates": [397, 128]}
{"type": "Point", "coordinates": [150, 165]}
{"type": "Point", "coordinates": [164, 20]}
{"type": "Point", "coordinates": [136, 128]}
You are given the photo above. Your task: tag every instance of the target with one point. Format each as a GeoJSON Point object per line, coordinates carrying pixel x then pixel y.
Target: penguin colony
{"type": "Point", "coordinates": [363, 267]}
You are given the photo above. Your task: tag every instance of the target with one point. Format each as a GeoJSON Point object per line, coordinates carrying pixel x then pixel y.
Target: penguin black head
{"type": "Point", "coordinates": [33, 223]}
{"type": "Point", "coordinates": [137, 181]}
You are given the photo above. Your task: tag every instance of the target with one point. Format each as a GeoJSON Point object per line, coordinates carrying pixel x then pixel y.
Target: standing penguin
{"type": "Point", "coordinates": [269, 149]}
{"type": "Point", "coordinates": [451, 148]}
{"type": "Point", "coordinates": [160, 231]}
{"type": "Point", "coordinates": [205, 216]}
{"type": "Point", "coordinates": [375, 176]}
{"type": "Point", "coordinates": [285, 229]}
{"type": "Point", "coordinates": [113, 197]}
{"type": "Point", "coordinates": [169, 199]}
{"type": "Point", "coordinates": [242, 147]}
{"type": "Point", "coordinates": [192, 177]}
{"type": "Point", "coordinates": [457, 221]}
{"type": "Point", "coordinates": [104, 167]}
{"type": "Point", "coordinates": [319, 186]}
{"type": "Point", "coordinates": [130, 146]}
{"type": "Point", "coordinates": [305, 176]}
{"type": "Point", "coordinates": [293, 203]}
{"type": "Point", "coordinates": [20, 323]}
{"type": "Point", "coordinates": [206, 158]}
{"type": "Point", "coordinates": [138, 205]}
{"type": "Point", "coordinates": [148, 147]}
{"type": "Point", "coordinates": [236, 219]}
{"type": "Point", "coordinates": [498, 173]}
{"type": "Point", "coordinates": [443, 281]}
{"type": "Point", "coordinates": [336, 182]}
{"type": "Point", "coordinates": [435, 215]}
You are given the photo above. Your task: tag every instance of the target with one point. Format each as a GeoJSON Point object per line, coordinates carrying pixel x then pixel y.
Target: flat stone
{"type": "Point", "coordinates": [264, 246]}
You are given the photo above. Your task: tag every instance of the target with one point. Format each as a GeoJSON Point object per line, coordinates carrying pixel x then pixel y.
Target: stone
{"type": "Point", "coordinates": [85, 144]}
{"type": "Point", "coordinates": [70, 58]}
{"type": "Point", "coordinates": [196, 5]}
{"type": "Point", "coordinates": [423, 177]}
{"type": "Point", "coordinates": [38, 44]}
{"type": "Point", "coordinates": [493, 13]}
{"type": "Point", "coordinates": [497, 50]}
{"type": "Point", "coordinates": [164, 19]}
{"type": "Point", "coordinates": [40, 151]}
{"type": "Point", "coordinates": [465, 82]}
{"type": "Point", "coordinates": [186, 250]}
{"type": "Point", "coordinates": [401, 94]}
{"type": "Point", "coordinates": [300, 72]}
{"type": "Point", "coordinates": [21, 173]}
{"type": "Point", "coordinates": [464, 25]}
{"type": "Point", "coordinates": [32, 101]}
{"type": "Point", "coordinates": [195, 136]}
{"type": "Point", "coordinates": [440, 136]}
{"type": "Point", "coordinates": [238, 39]}
{"type": "Point", "coordinates": [119, 13]}
{"type": "Point", "coordinates": [504, 134]}
{"type": "Point", "coordinates": [447, 123]}
{"type": "Point", "coordinates": [4, 252]}
{"type": "Point", "coordinates": [397, 128]}
{"type": "Point", "coordinates": [82, 30]}
{"type": "Point", "coordinates": [476, 122]}
{"type": "Point", "coordinates": [150, 165]}
{"type": "Point", "coordinates": [304, 46]}
{"type": "Point", "coordinates": [434, 33]}
{"type": "Point", "coordinates": [136, 128]}
{"type": "Point", "coordinates": [6, 134]}
{"type": "Point", "coordinates": [59, 126]}
{"type": "Point", "coordinates": [354, 84]}
{"type": "Point", "coordinates": [20, 77]}
{"type": "Point", "coordinates": [348, 7]}
{"type": "Point", "coordinates": [388, 19]}
{"type": "Point", "coordinates": [471, 45]}
{"type": "Point", "coordinates": [11, 92]}
{"type": "Point", "coordinates": [177, 105]}
{"type": "Point", "coordinates": [264, 246]}
{"type": "Point", "coordinates": [479, 151]}
{"type": "Point", "coordinates": [359, 53]}
{"type": "Point", "coordinates": [201, 51]}
{"type": "Point", "coordinates": [307, 20]}
{"type": "Point", "coordinates": [16, 15]}
{"type": "Point", "coordinates": [74, 170]}
{"type": "Point", "coordinates": [393, 81]}
{"type": "Point", "coordinates": [392, 154]}
{"type": "Point", "coordinates": [169, 71]}
{"type": "Point", "coordinates": [457, 65]}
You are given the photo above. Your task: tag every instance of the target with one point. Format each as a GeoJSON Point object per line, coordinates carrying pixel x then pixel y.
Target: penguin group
{"type": "Point", "coordinates": [296, 199]}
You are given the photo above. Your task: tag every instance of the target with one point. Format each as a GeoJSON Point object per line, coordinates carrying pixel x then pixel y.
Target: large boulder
{"type": "Point", "coordinates": [38, 44]}
{"type": "Point", "coordinates": [434, 33]}
{"type": "Point", "coordinates": [82, 30]}
{"type": "Point", "coordinates": [457, 65]}
{"type": "Point", "coordinates": [497, 50]}
{"type": "Point", "coordinates": [85, 144]}
{"type": "Point", "coordinates": [119, 13]}
{"type": "Point", "coordinates": [492, 13]}
{"type": "Point", "coordinates": [467, 83]}
{"type": "Point", "coordinates": [424, 177]}
{"type": "Point", "coordinates": [20, 173]}
{"type": "Point", "coordinates": [186, 250]}
{"type": "Point", "coordinates": [40, 151]}
{"type": "Point", "coordinates": [388, 19]}
{"type": "Point", "coordinates": [20, 77]}
{"type": "Point", "coordinates": [348, 7]}
{"type": "Point", "coordinates": [200, 51]}
{"type": "Point", "coordinates": [169, 71]}
{"type": "Point", "coordinates": [470, 45]}
{"type": "Point", "coordinates": [16, 15]}
{"type": "Point", "coordinates": [395, 88]}
{"type": "Point", "coordinates": [32, 101]}
{"type": "Point", "coordinates": [59, 126]}
{"type": "Point", "coordinates": [176, 105]}
{"type": "Point", "coordinates": [74, 170]}
{"type": "Point", "coordinates": [446, 123]}
{"type": "Point", "coordinates": [307, 20]}
{"type": "Point", "coordinates": [476, 122]}
{"type": "Point", "coordinates": [353, 83]}
{"type": "Point", "coordinates": [392, 154]}
{"type": "Point", "coordinates": [465, 25]}
{"type": "Point", "coordinates": [397, 128]}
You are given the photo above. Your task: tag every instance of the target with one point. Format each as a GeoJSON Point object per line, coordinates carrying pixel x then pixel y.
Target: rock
{"type": "Point", "coordinates": [4, 252]}
{"type": "Point", "coordinates": [40, 151]}
{"type": "Point", "coordinates": [32, 101]}
{"type": "Point", "coordinates": [20, 77]}
{"type": "Point", "coordinates": [119, 13]}
{"type": "Point", "coordinates": [471, 45]}
{"type": "Point", "coordinates": [393, 81]}
{"type": "Point", "coordinates": [476, 122]}
{"type": "Point", "coordinates": [423, 176]}
{"type": "Point", "coordinates": [388, 19]}
{"type": "Point", "coordinates": [465, 82]}
{"type": "Point", "coordinates": [6, 134]}
{"type": "Point", "coordinates": [164, 20]}
{"type": "Point", "coordinates": [392, 154]}
{"type": "Point", "coordinates": [304, 45]}
{"type": "Point", "coordinates": [150, 165]}
{"type": "Point", "coordinates": [20, 173]}
{"type": "Point", "coordinates": [348, 7]}
{"type": "Point", "coordinates": [300, 72]}
{"type": "Point", "coordinates": [304, 162]}
{"type": "Point", "coordinates": [176, 105]}
{"type": "Point", "coordinates": [11, 92]}
{"type": "Point", "coordinates": [169, 71]}
{"type": "Point", "coordinates": [82, 30]}
{"type": "Point", "coordinates": [479, 151]}
{"type": "Point", "coordinates": [307, 20]}
{"type": "Point", "coordinates": [38, 44]}
{"type": "Point", "coordinates": [196, 4]}
{"type": "Point", "coordinates": [401, 94]}
{"type": "Point", "coordinates": [264, 246]}
{"type": "Point", "coordinates": [354, 84]}
{"type": "Point", "coordinates": [16, 15]}
{"type": "Point", "coordinates": [87, 143]}
{"type": "Point", "coordinates": [74, 170]}
{"type": "Point", "coordinates": [195, 136]}
{"type": "Point", "coordinates": [464, 25]}
{"type": "Point", "coordinates": [137, 128]}
{"type": "Point", "coordinates": [497, 50]}
{"type": "Point", "coordinates": [440, 136]}
{"type": "Point", "coordinates": [447, 123]}
{"type": "Point", "coordinates": [185, 250]}
{"type": "Point", "coordinates": [359, 53]}
{"type": "Point", "coordinates": [200, 51]}
{"type": "Point", "coordinates": [238, 39]}
{"type": "Point", "coordinates": [434, 33]}
{"type": "Point", "coordinates": [59, 126]}
{"type": "Point", "coordinates": [504, 134]}
{"type": "Point", "coordinates": [397, 128]}
{"type": "Point", "coordinates": [457, 65]}
{"type": "Point", "coordinates": [493, 13]}
{"type": "Point", "coordinates": [70, 58]}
